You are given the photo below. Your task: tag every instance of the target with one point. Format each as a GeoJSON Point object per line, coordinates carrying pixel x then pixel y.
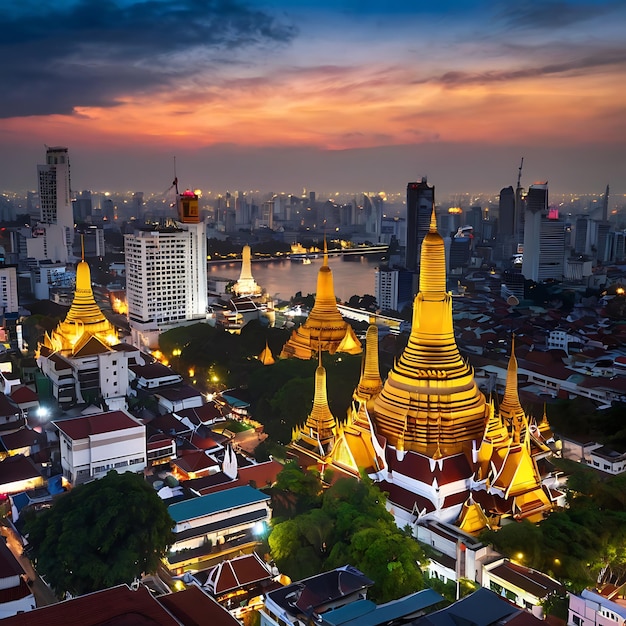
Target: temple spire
{"type": "Point", "coordinates": [511, 410]}
{"type": "Point", "coordinates": [321, 423]}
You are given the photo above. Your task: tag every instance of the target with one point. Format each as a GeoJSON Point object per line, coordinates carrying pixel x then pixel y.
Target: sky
{"type": "Point", "coordinates": [350, 95]}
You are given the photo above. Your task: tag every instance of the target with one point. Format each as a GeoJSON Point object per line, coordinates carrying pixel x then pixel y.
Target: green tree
{"type": "Point", "coordinates": [100, 534]}
{"type": "Point", "coordinates": [348, 525]}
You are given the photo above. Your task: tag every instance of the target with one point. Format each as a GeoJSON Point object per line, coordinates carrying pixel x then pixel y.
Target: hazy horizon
{"type": "Point", "coordinates": [324, 95]}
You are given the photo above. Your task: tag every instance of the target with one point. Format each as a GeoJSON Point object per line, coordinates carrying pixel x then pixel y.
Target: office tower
{"type": "Point", "coordinates": [166, 274]}
{"type": "Point", "coordinates": [394, 288]}
{"type": "Point", "coordinates": [420, 200]}
{"type": "Point", "coordinates": [474, 218]}
{"type": "Point", "coordinates": [82, 207]}
{"type": "Point", "coordinates": [506, 212]}
{"type": "Point", "coordinates": [536, 211]}
{"type": "Point", "coordinates": [137, 205]}
{"type": "Point", "coordinates": [55, 196]}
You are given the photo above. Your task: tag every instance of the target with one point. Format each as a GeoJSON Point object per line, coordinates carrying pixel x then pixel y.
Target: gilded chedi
{"type": "Point", "coordinates": [325, 329]}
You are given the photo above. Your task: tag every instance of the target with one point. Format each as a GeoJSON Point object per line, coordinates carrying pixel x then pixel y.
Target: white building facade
{"type": "Point", "coordinates": [55, 196]}
{"type": "Point", "coordinates": [92, 445]}
{"type": "Point", "coordinates": [166, 279]}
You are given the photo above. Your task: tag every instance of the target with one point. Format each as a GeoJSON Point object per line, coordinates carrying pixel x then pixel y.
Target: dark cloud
{"type": "Point", "coordinates": [550, 14]}
{"type": "Point", "coordinates": [90, 53]}
{"type": "Point", "coordinates": [597, 60]}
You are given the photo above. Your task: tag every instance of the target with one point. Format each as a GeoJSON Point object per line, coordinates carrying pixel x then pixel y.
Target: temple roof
{"type": "Point", "coordinates": [324, 329]}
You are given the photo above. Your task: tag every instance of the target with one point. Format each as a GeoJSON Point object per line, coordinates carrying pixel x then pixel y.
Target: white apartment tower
{"type": "Point", "coordinates": [8, 290]}
{"type": "Point", "coordinates": [166, 274]}
{"type": "Point", "coordinates": [55, 198]}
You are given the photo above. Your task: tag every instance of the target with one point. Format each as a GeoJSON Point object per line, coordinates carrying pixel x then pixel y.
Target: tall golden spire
{"type": "Point", "coordinates": [321, 423]}
{"type": "Point", "coordinates": [511, 410]}
{"type": "Point", "coordinates": [325, 328]}
{"type": "Point", "coordinates": [430, 393]}
{"type": "Point", "coordinates": [370, 382]}
{"type": "Point", "coordinates": [84, 317]}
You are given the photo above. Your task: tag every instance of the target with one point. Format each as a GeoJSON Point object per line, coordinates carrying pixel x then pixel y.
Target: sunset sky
{"type": "Point", "coordinates": [353, 95]}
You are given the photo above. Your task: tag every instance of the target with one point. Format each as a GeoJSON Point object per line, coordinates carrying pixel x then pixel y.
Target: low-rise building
{"type": "Point", "coordinates": [211, 528]}
{"type": "Point", "coordinates": [92, 445]}
{"type": "Point", "coordinates": [591, 608]}
{"type": "Point", "coordinates": [15, 594]}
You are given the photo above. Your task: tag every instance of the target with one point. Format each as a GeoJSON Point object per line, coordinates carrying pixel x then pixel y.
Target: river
{"type": "Point", "coordinates": [283, 279]}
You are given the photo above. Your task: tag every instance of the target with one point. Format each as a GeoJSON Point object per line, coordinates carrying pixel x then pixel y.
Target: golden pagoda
{"type": "Point", "coordinates": [356, 447]}
{"type": "Point", "coordinates": [325, 329]}
{"type": "Point", "coordinates": [430, 402]}
{"type": "Point", "coordinates": [506, 464]}
{"type": "Point", "coordinates": [85, 325]}
{"type": "Point", "coordinates": [317, 437]}
{"type": "Point", "coordinates": [511, 410]}
{"type": "Point", "coordinates": [266, 357]}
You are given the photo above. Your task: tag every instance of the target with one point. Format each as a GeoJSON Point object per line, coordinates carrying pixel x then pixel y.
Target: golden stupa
{"type": "Point", "coordinates": [325, 329]}
{"type": "Point", "coordinates": [356, 447]}
{"type": "Point", "coordinates": [430, 403]}
{"type": "Point", "coordinates": [85, 329]}
{"type": "Point", "coordinates": [317, 437]}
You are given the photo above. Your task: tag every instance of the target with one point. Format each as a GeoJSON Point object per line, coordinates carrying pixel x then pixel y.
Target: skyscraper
{"type": "Point", "coordinates": [506, 212]}
{"type": "Point", "coordinates": [55, 195]}
{"type": "Point", "coordinates": [166, 274]}
{"type": "Point", "coordinates": [544, 238]}
{"type": "Point", "coordinates": [420, 200]}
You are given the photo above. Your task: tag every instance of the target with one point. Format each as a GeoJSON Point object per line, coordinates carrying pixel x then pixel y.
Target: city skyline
{"type": "Point", "coordinates": [324, 95]}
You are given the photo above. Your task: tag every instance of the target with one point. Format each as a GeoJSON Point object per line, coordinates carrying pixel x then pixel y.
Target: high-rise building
{"type": "Point", "coordinates": [506, 212]}
{"type": "Point", "coordinates": [420, 200]}
{"type": "Point", "coordinates": [394, 288]}
{"type": "Point", "coordinates": [166, 274]}
{"type": "Point", "coordinates": [544, 238]}
{"type": "Point", "coordinates": [8, 290]}
{"type": "Point", "coordinates": [55, 195]}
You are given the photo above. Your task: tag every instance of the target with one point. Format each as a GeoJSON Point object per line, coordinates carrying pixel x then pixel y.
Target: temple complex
{"type": "Point", "coordinates": [246, 285]}
{"type": "Point", "coordinates": [429, 437]}
{"type": "Point", "coordinates": [324, 329]}
{"type": "Point", "coordinates": [83, 357]}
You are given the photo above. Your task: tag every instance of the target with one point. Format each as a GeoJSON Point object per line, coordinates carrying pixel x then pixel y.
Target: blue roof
{"type": "Point", "coordinates": [237, 403]}
{"type": "Point", "coordinates": [215, 502]}
{"type": "Point", "coordinates": [366, 613]}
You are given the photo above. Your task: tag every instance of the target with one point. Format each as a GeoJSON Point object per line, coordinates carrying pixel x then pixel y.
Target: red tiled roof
{"type": "Point", "coordinates": [195, 461]}
{"type": "Point", "coordinates": [194, 607]}
{"type": "Point", "coordinates": [22, 438]}
{"type": "Point", "coordinates": [23, 394]}
{"type": "Point", "coordinates": [9, 565]}
{"type": "Point", "coordinates": [118, 605]}
{"type": "Point", "coordinates": [16, 468]}
{"type": "Point", "coordinates": [179, 392]}
{"type": "Point", "coordinates": [7, 407]}
{"type": "Point", "coordinates": [237, 573]}
{"type": "Point", "coordinates": [99, 424]}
